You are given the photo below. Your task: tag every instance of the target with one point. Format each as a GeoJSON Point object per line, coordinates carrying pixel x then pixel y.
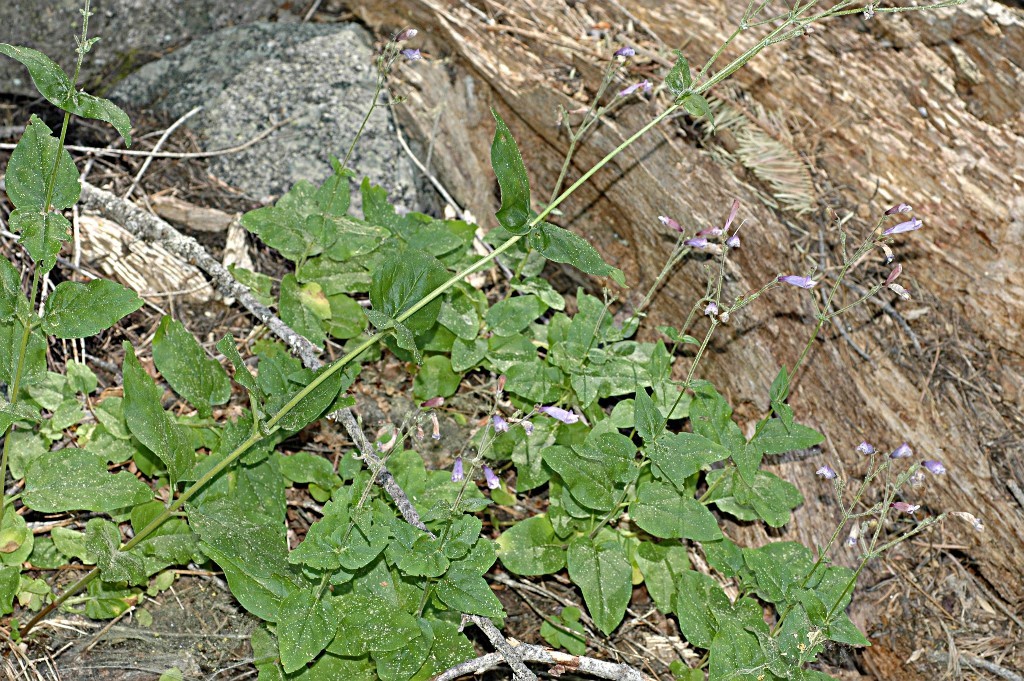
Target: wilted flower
{"type": "Point", "coordinates": [432, 402]}
{"type": "Point", "coordinates": [827, 472]}
{"type": "Point", "coordinates": [528, 427]}
{"type": "Point", "coordinates": [500, 424]}
{"type": "Point", "coordinates": [902, 452]}
{"type": "Point", "coordinates": [869, 13]}
{"type": "Point", "coordinates": [908, 226]}
{"type": "Point", "coordinates": [698, 242]}
{"type": "Point", "coordinates": [436, 434]}
{"type": "Point", "coordinates": [866, 448]}
{"type": "Point", "coordinates": [905, 507]}
{"type": "Point", "coordinates": [407, 34]}
{"type": "Point", "coordinates": [732, 214]}
{"type": "Point", "coordinates": [670, 223]}
{"type": "Point", "coordinates": [492, 479]}
{"type": "Point", "coordinates": [888, 253]}
{"type": "Point", "coordinates": [559, 414]}
{"type": "Point", "coordinates": [724, 317]}
{"type": "Point", "coordinates": [457, 472]}
{"type": "Point", "coordinates": [854, 535]}
{"type": "Point", "coordinates": [971, 518]}
{"type": "Point", "coordinates": [896, 272]}
{"type": "Point", "coordinates": [899, 208]}
{"type": "Point", "coordinates": [626, 51]}
{"type": "Point", "coordinates": [500, 388]}
{"type": "Point", "coordinates": [903, 293]}
{"type": "Point", "coordinates": [712, 309]}
{"type": "Point", "coordinates": [412, 54]}
{"type": "Point", "coordinates": [934, 467]}
{"type": "Point", "coordinates": [733, 241]}
{"type": "Point", "coordinates": [917, 479]}
{"type": "Point", "coordinates": [642, 86]}
{"type": "Point", "coordinates": [794, 280]}
{"type": "Point", "coordinates": [711, 231]}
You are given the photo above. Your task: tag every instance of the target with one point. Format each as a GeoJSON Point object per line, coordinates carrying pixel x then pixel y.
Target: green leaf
{"type": "Point", "coordinates": [401, 281]}
{"type": "Point", "coordinates": [182, 361]}
{"type": "Point", "coordinates": [558, 637]}
{"type": "Point", "coordinates": [295, 225]}
{"type": "Point", "coordinates": [529, 547]}
{"type": "Point", "coordinates": [372, 624]}
{"type": "Point", "coordinates": [424, 558]}
{"type": "Point", "coordinates": [774, 437]}
{"type": "Point", "coordinates": [76, 480]}
{"type": "Point", "coordinates": [464, 590]}
{"type": "Point", "coordinates": [735, 653]}
{"type": "Point", "coordinates": [699, 604]}
{"type": "Point", "coordinates": [347, 319]}
{"type": "Point", "coordinates": [605, 578]}
{"type": "Point", "coordinates": [243, 376]}
{"type": "Point", "coordinates": [310, 407]}
{"type": "Point", "coordinates": [252, 550]}
{"type": "Point", "coordinates": [778, 567]}
{"type": "Point", "coordinates": [12, 298]}
{"type": "Point", "coordinates": [507, 162]}
{"type": "Point", "coordinates": [711, 417]}
{"type": "Point", "coordinates": [401, 664]}
{"type": "Point", "coordinates": [435, 379]}
{"type": "Point", "coordinates": [41, 235]}
{"type": "Point", "coordinates": [665, 512]}
{"type": "Point", "coordinates": [16, 539]}
{"type": "Point", "coordinates": [543, 290]}
{"type": "Point", "coordinates": [770, 496]}
{"type": "Point", "coordinates": [81, 378]}
{"type": "Point", "coordinates": [76, 310]}
{"type": "Point", "coordinates": [10, 581]}
{"type": "Point", "coordinates": [468, 354]}
{"type": "Point", "coordinates": [679, 79]}
{"type": "Point", "coordinates": [660, 564]}
{"type": "Point", "coordinates": [31, 166]}
{"type": "Point", "coordinates": [697, 106]}
{"type": "Point", "coordinates": [537, 382]}
{"type": "Point", "coordinates": [680, 455]}
{"type": "Point", "coordinates": [103, 541]}
{"type": "Point", "coordinates": [450, 648]}
{"type": "Point", "coordinates": [305, 625]}
{"type": "Point", "coordinates": [148, 421]}
{"type": "Point", "coordinates": [646, 417]}
{"type": "Point", "coordinates": [34, 367]}
{"type": "Point", "coordinates": [586, 478]}
{"type": "Point", "coordinates": [303, 308]}
{"type": "Point", "coordinates": [510, 316]}
{"type": "Point", "coordinates": [53, 84]}
{"type": "Point", "coordinates": [561, 245]}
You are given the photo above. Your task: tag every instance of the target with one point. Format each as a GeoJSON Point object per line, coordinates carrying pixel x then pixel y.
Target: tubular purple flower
{"type": "Point", "coordinates": [500, 424]}
{"type": "Point", "coordinates": [457, 472]}
{"type": "Point", "coordinates": [492, 479]}
{"type": "Point", "coordinates": [642, 86]}
{"type": "Point", "coordinates": [905, 507]}
{"type": "Point", "coordinates": [625, 51]}
{"type": "Point", "coordinates": [500, 388]}
{"type": "Point", "coordinates": [827, 472]}
{"type": "Point", "coordinates": [528, 427]}
{"type": "Point", "coordinates": [908, 226]}
{"type": "Point", "coordinates": [697, 242]}
{"type": "Point", "coordinates": [934, 467]}
{"type": "Point", "coordinates": [732, 214]}
{"type": "Point", "coordinates": [801, 282]}
{"type": "Point", "coordinates": [711, 231]}
{"type": "Point", "coordinates": [712, 309]}
{"type": "Point", "coordinates": [899, 208]}
{"type": "Point", "coordinates": [866, 448]}
{"type": "Point", "coordinates": [412, 54]}
{"type": "Point", "coordinates": [670, 223]}
{"type": "Point", "coordinates": [733, 241]}
{"type": "Point", "coordinates": [407, 34]}
{"type": "Point", "coordinates": [894, 275]}
{"type": "Point", "coordinates": [902, 452]}
{"type": "Point", "coordinates": [432, 402]}
{"type": "Point", "coordinates": [559, 414]}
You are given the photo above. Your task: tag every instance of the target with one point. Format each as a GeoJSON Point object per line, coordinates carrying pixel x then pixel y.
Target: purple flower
{"type": "Point", "coordinates": [712, 309]}
{"type": "Point", "coordinates": [626, 51]}
{"type": "Point", "coordinates": [436, 434]}
{"type": "Point", "coordinates": [934, 467]}
{"type": "Point", "coordinates": [492, 479]}
{"type": "Point", "coordinates": [407, 34]}
{"type": "Point", "coordinates": [457, 472]}
{"type": "Point", "coordinates": [732, 214]}
{"type": "Point", "coordinates": [670, 223]}
{"type": "Point", "coordinates": [905, 507]}
{"type": "Point", "coordinates": [900, 208]}
{"type": "Point", "coordinates": [500, 424]}
{"type": "Point", "coordinates": [854, 535]}
{"type": "Point", "coordinates": [894, 275]}
{"type": "Point", "coordinates": [827, 472]}
{"type": "Point", "coordinates": [698, 242]}
{"type": "Point", "coordinates": [528, 427]}
{"type": "Point", "coordinates": [794, 280]}
{"type": "Point", "coordinates": [733, 241]}
{"type": "Point", "coordinates": [902, 452]}
{"type": "Point", "coordinates": [643, 86]}
{"type": "Point", "coordinates": [908, 226]}
{"type": "Point", "coordinates": [559, 414]}
{"type": "Point", "coordinates": [432, 402]}
{"type": "Point", "coordinates": [412, 54]}
{"type": "Point", "coordinates": [866, 448]}
{"type": "Point", "coordinates": [711, 231]}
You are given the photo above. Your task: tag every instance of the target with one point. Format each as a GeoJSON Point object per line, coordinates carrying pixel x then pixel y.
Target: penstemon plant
{"type": "Point", "coordinates": [630, 461]}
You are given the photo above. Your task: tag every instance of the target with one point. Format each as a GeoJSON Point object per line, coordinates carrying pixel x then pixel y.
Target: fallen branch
{"type": "Point", "coordinates": [559, 661]}
{"type": "Point", "coordinates": [510, 653]}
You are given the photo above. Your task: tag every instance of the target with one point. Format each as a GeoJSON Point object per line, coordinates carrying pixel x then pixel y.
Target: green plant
{"type": "Point", "coordinates": [632, 460]}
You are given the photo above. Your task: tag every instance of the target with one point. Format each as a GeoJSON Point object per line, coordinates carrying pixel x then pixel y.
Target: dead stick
{"type": "Point", "coordinates": [564, 661]}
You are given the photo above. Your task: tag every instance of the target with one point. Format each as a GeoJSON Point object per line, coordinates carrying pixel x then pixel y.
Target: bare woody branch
{"type": "Point", "coordinates": [560, 663]}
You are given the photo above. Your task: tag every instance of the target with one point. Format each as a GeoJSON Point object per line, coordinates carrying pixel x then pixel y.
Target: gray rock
{"type": "Point", "coordinates": [130, 31]}
{"type": "Point", "coordinates": [247, 78]}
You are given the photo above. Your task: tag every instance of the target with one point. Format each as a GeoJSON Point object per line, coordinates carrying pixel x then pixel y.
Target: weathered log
{"type": "Point", "coordinates": [920, 107]}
